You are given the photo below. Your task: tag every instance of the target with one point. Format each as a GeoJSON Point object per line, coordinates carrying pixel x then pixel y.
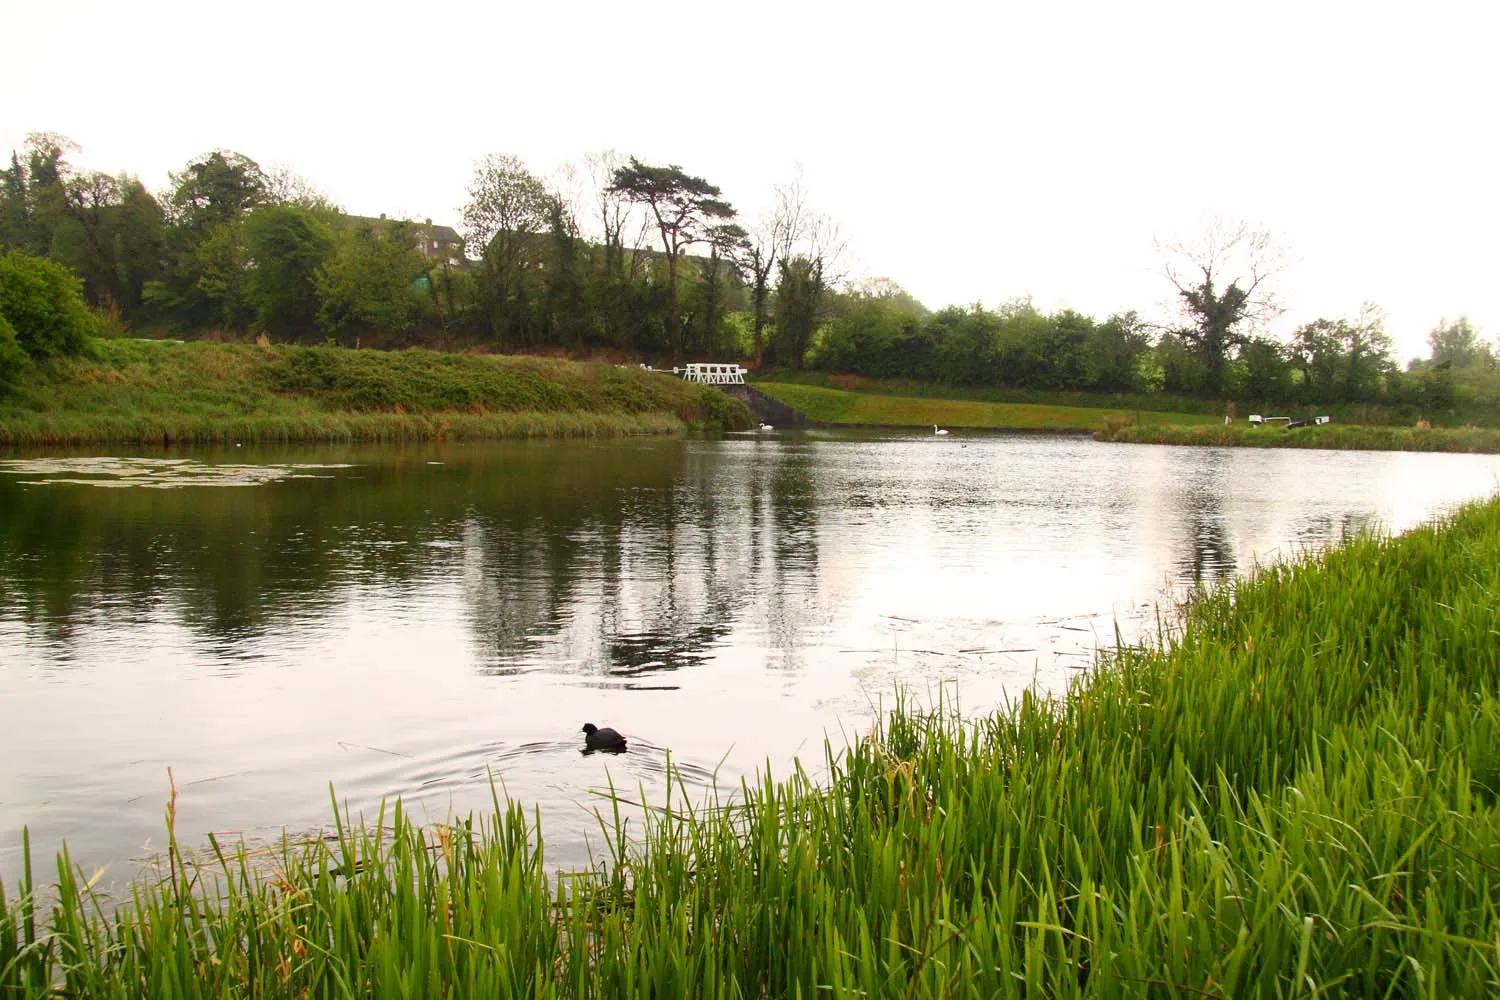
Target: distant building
{"type": "Point", "coordinates": [440, 242]}
{"type": "Point", "coordinates": [435, 242]}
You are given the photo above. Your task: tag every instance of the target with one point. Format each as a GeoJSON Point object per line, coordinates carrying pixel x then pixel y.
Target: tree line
{"type": "Point", "coordinates": [654, 263]}
{"type": "Point", "coordinates": [645, 259]}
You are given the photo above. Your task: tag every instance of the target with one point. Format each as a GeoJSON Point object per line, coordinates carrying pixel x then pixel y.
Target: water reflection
{"type": "Point", "coordinates": [421, 621]}
{"type": "Point", "coordinates": [1208, 552]}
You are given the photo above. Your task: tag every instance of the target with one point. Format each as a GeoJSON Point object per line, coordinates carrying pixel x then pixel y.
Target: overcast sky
{"type": "Point", "coordinates": [970, 152]}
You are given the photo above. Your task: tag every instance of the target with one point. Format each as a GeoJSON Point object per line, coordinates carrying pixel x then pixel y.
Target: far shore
{"type": "Point", "coordinates": [829, 407]}
{"type": "Point", "coordinates": [1338, 437]}
{"type": "Point", "coordinates": [168, 393]}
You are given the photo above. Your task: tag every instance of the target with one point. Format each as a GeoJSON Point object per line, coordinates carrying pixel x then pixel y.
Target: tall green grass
{"type": "Point", "coordinates": [144, 392]}
{"type": "Point", "coordinates": [1334, 436]}
{"type": "Point", "coordinates": [1295, 796]}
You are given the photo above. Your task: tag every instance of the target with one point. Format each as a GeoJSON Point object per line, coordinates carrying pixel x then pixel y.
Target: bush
{"type": "Point", "coordinates": [13, 359]}
{"type": "Point", "coordinates": [44, 303]}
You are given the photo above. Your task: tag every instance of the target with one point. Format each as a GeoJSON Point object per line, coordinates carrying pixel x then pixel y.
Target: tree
{"type": "Point", "coordinates": [43, 303]}
{"type": "Point", "coordinates": [872, 331]}
{"type": "Point", "coordinates": [1021, 345]}
{"type": "Point", "coordinates": [1367, 355]}
{"type": "Point", "coordinates": [616, 293]}
{"type": "Point", "coordinates": [32, 198]}
{"type": "Point", "coordinates": [286, 244]}
{"type": "Point", "coordinates": [214, 190]}
{"type": "Point", "coordinates": [1267, 374]}
{"type": "Point", "coordinates": [205, 281]}
{"type": "Point", "coordinates": [1111, 350]}
{"type": "Point", "coordinates": [503, 222]}
{"type": "Point", "coordinates": [719, 279]}
{"type": "Point", "coordinates": [1221, 282]}
{"type": "Point", "coordinates": [685, 209]}
{"type": "Point", "coordinates": [800, 286]}
{"type": "Point", "coordinates": [1458, 344]}
{"type": "Point", "coordinates": [563, 302]}
{"type": "Point", "coordinates": [771, 244]}
{"type": "Point", "coordinates": [1342, 360]}
{"type": "Point", "coordinates": [19, 229]}
{"type": "Point", "coordinates": [13, 358]}
{"type": "Point", "coordinates": [367, 282]}
{"type": "Point", "coordinates": [805, 274]}
{"type": "Point", "coordinates": [964, 341]}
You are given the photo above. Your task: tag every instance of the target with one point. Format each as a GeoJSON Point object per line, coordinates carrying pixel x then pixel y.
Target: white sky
{"type": "Point", "coordinates": [971, 152]}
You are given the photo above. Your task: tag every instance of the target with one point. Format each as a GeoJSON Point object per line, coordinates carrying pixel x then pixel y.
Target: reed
{"type": "Point", "coordinates": [1290, 792]}
{"type": "Point", "coordinates": [1329, 436]}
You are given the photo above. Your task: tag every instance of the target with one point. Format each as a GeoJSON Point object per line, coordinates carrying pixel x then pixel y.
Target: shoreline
{"type": "Point", "coordinates": [1333, 437]}
{"type": "Point", "coordinates": [161, 393]}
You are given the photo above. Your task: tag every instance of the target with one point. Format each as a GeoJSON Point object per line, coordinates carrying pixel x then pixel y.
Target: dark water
{"type": "Point", "coordinates": [416, 621]}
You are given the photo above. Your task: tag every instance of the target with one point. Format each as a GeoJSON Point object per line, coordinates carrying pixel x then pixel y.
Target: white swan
{"type": "Point", "coordinates": [938, 430]}
{"type": "Point", "coordinates": [767, 427]}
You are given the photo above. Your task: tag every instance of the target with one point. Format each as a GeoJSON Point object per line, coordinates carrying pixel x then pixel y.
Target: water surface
{"type": "Point", "coordinates": [414, 621]}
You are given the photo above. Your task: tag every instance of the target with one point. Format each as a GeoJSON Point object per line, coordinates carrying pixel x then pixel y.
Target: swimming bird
{"type": "Point", "coordinates": [938, 430]}
{"type": "Point", "coordinates": [602, 739]}
{"type": "Point", "coordinates": [767, 427]}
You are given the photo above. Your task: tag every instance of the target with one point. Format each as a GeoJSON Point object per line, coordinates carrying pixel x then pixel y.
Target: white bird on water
{"type": "Point", "coordinates": [767, 427]}
{"type": "Point", "coordinates": [938, 430]}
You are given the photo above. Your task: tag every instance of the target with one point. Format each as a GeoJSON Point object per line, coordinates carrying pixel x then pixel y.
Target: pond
{"type": "Point", "coordinates": [421, 621]}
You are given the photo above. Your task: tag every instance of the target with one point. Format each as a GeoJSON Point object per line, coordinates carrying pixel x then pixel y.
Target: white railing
{"type": "Point", "coordinates": [712, 374]}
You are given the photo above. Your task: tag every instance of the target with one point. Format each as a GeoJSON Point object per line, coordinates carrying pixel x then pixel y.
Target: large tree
{"type": "Point", "coordinates": [686, 210]}
{"type": "Point", "coordinates": [503, 221]}
{"type": "Point", "coordinates": [804, 276]}
{"type": "Point", "coordinates": [769, 245]}
{"type": "Point", "coordinates": [1458, 344]}
{"type": "Point", "coordinates": [286, 244]}
{"type": "Point", "coordinates": [208, 273]}
{"type": "Point", "coordinates": [1222, 286]}
{"type": "Point", "coordinates": [217, 188]}
{"type": "Point", "coordinates": [1342, 360]}
{"type": "Point", "coordinates": [367, 283]}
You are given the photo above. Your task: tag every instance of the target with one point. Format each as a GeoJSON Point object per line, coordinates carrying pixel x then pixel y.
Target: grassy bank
{"type": "Point", "coordinates": [1297, 798]}
{"type": "Point", "coordinates": [1474, 399]}
{"type": "Point", "coordinates": [839, 406]}
{"type": "Point", "coordinates": [1336, 436]}
{"type": "Point", "coordinates": [145, 391]}
{"type": "Point", "coordinates": [916, 389]}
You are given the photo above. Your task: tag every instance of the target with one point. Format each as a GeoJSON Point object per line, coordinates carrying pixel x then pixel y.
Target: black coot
{"type": "Point", "coordinates": [602, 739]}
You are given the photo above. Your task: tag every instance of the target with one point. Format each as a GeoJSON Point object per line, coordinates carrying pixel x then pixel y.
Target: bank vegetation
{"type": "Point", "coordinates": [1330, 436]}
{"type": "Point", "coordinates": [150, 393]}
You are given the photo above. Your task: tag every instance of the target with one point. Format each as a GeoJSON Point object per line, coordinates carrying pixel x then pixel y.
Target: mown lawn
{"type": "Point", "coordinates": [836, 406]}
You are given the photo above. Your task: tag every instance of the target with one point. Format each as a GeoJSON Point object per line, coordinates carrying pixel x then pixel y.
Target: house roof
{"type": "Point", "coordinates": [443, 234]}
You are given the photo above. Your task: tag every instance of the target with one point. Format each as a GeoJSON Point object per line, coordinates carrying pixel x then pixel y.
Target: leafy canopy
{"type": "Point", "coordinates": [43, 303]}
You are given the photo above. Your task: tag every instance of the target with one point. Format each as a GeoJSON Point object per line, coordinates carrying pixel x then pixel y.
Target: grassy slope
{"type": "Point", "coordinates": [836, 406]}
{"type": "Point", "coordinates": [140, 391]}
{"type": "Point", "coordinates": [1334, 436]}
{"type": "Point", "coordinates": [1297, 798]}
{"type": "Point", "coordinates": [1476, 399]}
